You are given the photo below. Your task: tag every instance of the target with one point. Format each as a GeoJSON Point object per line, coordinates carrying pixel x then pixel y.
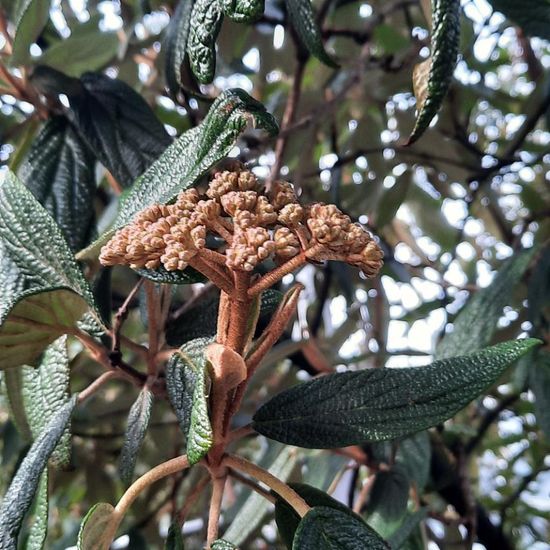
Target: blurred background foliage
{"type": "Point", "coordinates": [448, 210]}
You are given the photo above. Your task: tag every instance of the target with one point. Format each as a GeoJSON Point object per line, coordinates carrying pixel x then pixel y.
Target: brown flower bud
{"type": "Point", "coordinates": [287, 244]}
{"type": "Point", "coordinates": [291, 215]}
{"type": "Point", "coordinates": [225, 182]}
{"type": "Point", "coordinates": [328, 225]}
{"type": "Point", "coordinates": [239, 200]}
{"type": "Point", "coordinates": [249, 248]}
{"type": "Point", "coordinates": [281, 194]}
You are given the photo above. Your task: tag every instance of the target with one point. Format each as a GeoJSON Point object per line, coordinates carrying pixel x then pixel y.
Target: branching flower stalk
{"type": "Point", "coordinates": [228, 234]}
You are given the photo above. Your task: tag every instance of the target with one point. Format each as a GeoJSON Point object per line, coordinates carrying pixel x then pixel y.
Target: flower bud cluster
{"type": "Point", "coordinates": [254, 223]}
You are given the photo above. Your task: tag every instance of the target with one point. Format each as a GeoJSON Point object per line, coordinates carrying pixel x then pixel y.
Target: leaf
{"type": "Point", "coordinates": [39, 525]}
{"type": "Point", "coordinates": [533, 16]}
{"type": "Point", "coordinates": [175, 44]}
{"type": "Point", "coordinates": [24, 485]}
{"type": "Point", "coordinates": [475, 325]}
{"type": "Point", "coordinates": [174, 540]}
{"type": "Point", "coordinates": [186, 383]}
{"type": "Point", "coordinates": [243, 11]}
{"type": "Point", "coordinates": [87, 49]}
{"type": "Point", "coordinates": [324, 528]}
{"type": "Point", "coordinates": [302, 19]}
{"type": "Point", "coordinates": [59, 172]}
{"type": "Point", "coordinates": [414, 455]}
{"type": "Point", "coordinates": [138, 420]}
{"type": "Point", "coordinates": [14, 391]}
{"type": "Point", "coordinates": [348, 408]}
{"type": "Point", "coordinates": [162, 276]}
{"type": "Point", "coordinates": [206, 19]}
{"type": "Point", "coordinates": [43, 290]}
{"type": "Point", "coordinates": [288, 520]}
{"type": "Point", "coordinates": [45, 390]}
{"type": "Point", "coordinates": [432, 78]}
{"type": "Point", "coordinates": [222, 544]}
{"type": "Point", "coordinates": [94, 526]}
{"type": "Point", "coordinates": [409, 524]}
{"type": "Point", "coordinates": [388, 498]}
{"type": "Point", "coordinates": [30, 18]}
{"type": "Point", "coordinates": [539, 383]}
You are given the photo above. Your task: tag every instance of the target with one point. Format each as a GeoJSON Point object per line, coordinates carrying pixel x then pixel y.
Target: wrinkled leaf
{"type": "Point", "coordinates": [30, 18]}
{"type": "Point", "coordinates": [94, 526]}
{"type": "Point", "coordinates": [163, 276]}
{"type": "Point", "coordinates": [186, 383]}
{"type": "Point", "coordinates": [222, 544]}
{"type": "Point", "coordinates": [477, 322]}
{"type": "Point", "coordinates": [302, 18]}
{"type": "Point", "coordinates": [39, 525]}
{"type": "Point", "coordinates": [379, 404]}
{"type": "Point", "coordinates": [206, 20]}
{"type": "Point", "coordinates": [533, 16]}
{"type": "Point", "coordinates": [13, 385]}
{"type": "Point", "coordinates": [24, 485]}
{"type": "Point", "coordinates": [59, 172]}
{"type": "Point", "coordinates": [324, 528]}
{"type": "Point", "coordinates": [243, 11]}
{"type": "Point", "coordinates": [43, 290]}
{"type": "Point", "coordinates": [138, 420]}
{"type": "Point", "coordinates": [431, 78]}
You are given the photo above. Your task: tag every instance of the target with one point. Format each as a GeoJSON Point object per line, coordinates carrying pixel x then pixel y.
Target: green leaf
{"type": "Point", "coordinates": [162, 276]}
{"type": "Point", "coordinates": [59, 172]}
{"type": "Point", "coordinates": [539, 383]}
{"type": "Point", "coordinates": [206, 19]}
{"type": "Point", "coordinates": [475, 325]}
{"type": "Point", "coordinates": [174, 540]}
{"type": "Point", "coordinates": [222, 544]}
{"type": "Point", "coordinates": [324, 528]}
{"type": "Point", "coordinates": [39, 525]}
{"type": "Point", "coordinates": [43, 290]}
{"type": "Point", "coordinates": [186, 382]}
{"type": "Point", "coordinates": [87, 49]}
{"type": "Point", "coordinates": [243, 11]}
{"type": "Point", "coordinates": [94, 526]}
{"type": "Point", "coordinates": [533, 16]}
{"type": "Point", "coordinates": [302, 18]}
{"type": "Point", "coordinates": [30, 18]}
{"type": "Point", "coordinates": [409, 524]}
{"type": "Point", "coordinates": [175, 44]}
{"type": "Point", "coordinates": [13, 384]}
{"type": "Point", "coordinates": [388, 498]}
{"type": "Point", "coordinates": [348, 408]}
{"type": "Point", "coordinates": [138, 421]}
{"type": "Point", "coordinates": [432, 78]}
{"type": "Point", "coordinates": [24, 485]}
{"type": "Point", "coordinates": [414, 455]}
{"type": "Point", "coordinates": [288, 520]}
{"type": "Point", "coordinates": [45, 390]}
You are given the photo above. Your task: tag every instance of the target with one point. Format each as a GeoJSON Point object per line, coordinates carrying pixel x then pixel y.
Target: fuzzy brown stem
{"type": "Point", "coordinates": [206, 269]}
{"type": "Point", "coordinates": [218, 486]}
{"type": "Point", "coordinates": [96, 385]}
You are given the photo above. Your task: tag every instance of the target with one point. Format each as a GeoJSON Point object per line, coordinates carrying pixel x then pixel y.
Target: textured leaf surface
{"type": "Point", "coordinates": [43, 290]}
{"type": "Point", "coordinates": [379, 404]}
{"type": "Point", "coordinates": [24, 485]}
{"type": "Point", "coordinates": [39, 526]}
{"type": "Point", "coordinates": [45, 390]}
{"type": "Point", "coordinates": [93, 527]}
{"type": "Point", "coordinates": [533, 16]}
{"type": "Point", "coordinates": [206, 20]}
{"type": "Point", "coordinates": [30, 18]}
{"type": "Point", "coordinates": [243, 11]}
{"type": "Point", "coordinates": [59, 172]}
{"type": "Point", "coordinates": [138, 421]}
{"type": "Point", "coordinates": [222, 544]}
{"type": "Point", "coordinates": [288, 520]}
{"type": "Point", "coordinates": [175, 44]}
{"type": "Point", "coordinates": [302, 17]}
{"type": "Point", "coordinates": [477, 322]}
{"type": "Point", "coordinates": [174, 540]}
{"type": "Point", "coordinates": [13, 385]}
{"type": "Point", "coordinates": [186, 383]}
{"type": "Point", "coordinates": [324, 528]}
{"type": "Point", "coordinates": [431, 78]}
{"type": "Point", "coordinates": [162, 276]}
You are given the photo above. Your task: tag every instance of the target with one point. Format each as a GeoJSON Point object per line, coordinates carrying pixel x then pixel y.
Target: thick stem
{"type": "Point", "coordinates": [218, 485]}
{"type": "Point", "coordinates": [207, 270]}
{"type": "Point", "coordinates": [224, 313]}
{"type": "Point", "coordinates": [281, 488]}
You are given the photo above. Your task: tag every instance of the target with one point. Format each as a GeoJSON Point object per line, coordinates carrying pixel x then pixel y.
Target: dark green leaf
{"type": "Point", "coordinates": [138, 420]}
{"type": "Point", "coordinates": [379, 404]}
{"type": "Point", "coordinates": [324, 528]}
{"type": "Point", "coordinates": [94, 526]}
{"type": "Point", "coordinates": [174, 540]}
{"type": "Point", "coordinates": [13, 384]}
{"type": "Point", "coordinates": [222, 544]}
{"type": "Point", "coordinates": [388, 498]}
{"type": "Point", "coordinates": [243, 11]}
{"type": "Point", "coordinates": [175, 44]}
{"type": "Point", "coordinates": [206, 22]}
{"type": "Point", "coordinates": [414, 455]}
{"type": "Point", "coordinates": [302, 19]}
{"type": "Point", "coordinates": [477, 322]}
{"type": "Point", "coordinates": [39, 525]}
{"type": "Point", "coordinates": [43, 290]}
{"type": "Point", "coordinates": [24, 485]}
{"type": "Point", "coordinates": [162, 276]}
{"type": "Point", "coordinates": [45, 390]}
{"type": "Point", "coordinates": [186, 383]}
{"type": "Point", "coordinates": [432, 77]}
{"type": "Point", "coordinates": [533, 16]}
{"type": "Point", "coordinates": [288, 520]}
{"type": "Point", "coordinates": [411, 521]}
{"type": "Point", "coordinates": [87, 49]}
{"type": "Point", "coordinates": [59, 172]}
{"type": "Point", "coordinates": [30, 18]}
{"type": "Point", "coordinates": [539, 383]}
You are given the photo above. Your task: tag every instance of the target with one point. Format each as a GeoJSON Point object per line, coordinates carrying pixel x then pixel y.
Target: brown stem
{"type": "Point", "coordinates": [253, 485]}
{"type": "Point", "coordinates": [206, 269]}
{"type": "Point", "coordinates": [224, 312]}
{"type": "Point", "coordinates": [122, 314]}
{"type": "Point", "coordinates": [192, 498]}
{"type": "Point", "coordinates": [240, 308]}
{"type": "Point", "coordinates": [96, 385]}
{"type": "Point", "coordinates": [218, 485]}
{"type": "Point", "coordinates": [282, 489]}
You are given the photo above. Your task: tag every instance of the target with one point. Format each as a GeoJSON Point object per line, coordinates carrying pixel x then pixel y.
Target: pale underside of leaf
{"type": "Point", "coordinates": [94, 527]}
